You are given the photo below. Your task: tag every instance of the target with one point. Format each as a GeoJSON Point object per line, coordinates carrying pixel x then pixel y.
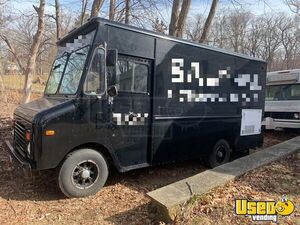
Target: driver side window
{"type": "Point", "coordinates": [95, 74]}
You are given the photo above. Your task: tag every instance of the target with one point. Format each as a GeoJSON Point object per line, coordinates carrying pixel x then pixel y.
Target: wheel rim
{"type": "Point", "coordinates": [221, 154]}
{"type": "Point", "coordinates": [85, 174]}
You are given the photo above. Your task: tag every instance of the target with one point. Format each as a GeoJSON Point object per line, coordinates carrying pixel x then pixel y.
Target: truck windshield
{"type": "Point", "coordinates": [67, 72]}
{"type": "Point", "coordinates": [67, 69]}
{"type": "Point", "coordinates": [56, 74]}
{"type": "Point", "coordinates": [73, 72]}
{"type": "Point", "coordinates": [283, 92]}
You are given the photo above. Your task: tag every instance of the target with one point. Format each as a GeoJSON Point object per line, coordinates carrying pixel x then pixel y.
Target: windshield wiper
{"type": "Point", "coordinates": [80, 53]}
{"type": "Point", "coordinates": [57, 66]}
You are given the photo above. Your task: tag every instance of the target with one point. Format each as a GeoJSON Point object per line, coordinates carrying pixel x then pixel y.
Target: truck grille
{"type": "Point", "coordinates": [20, 138]}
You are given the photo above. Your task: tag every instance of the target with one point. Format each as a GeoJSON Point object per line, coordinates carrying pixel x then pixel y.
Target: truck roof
{"type": "Point", "coordinates": [154, 34]}
{"type": "Point", "coordinates": [283, 72]}
{"type": "Point", "coordinates": [283, 77]}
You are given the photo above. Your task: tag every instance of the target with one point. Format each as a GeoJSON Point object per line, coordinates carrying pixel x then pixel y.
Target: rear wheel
{"type": "Point", "coordinates": [83, 173]}
{"type": "Point", "coordinates": [219, 155]}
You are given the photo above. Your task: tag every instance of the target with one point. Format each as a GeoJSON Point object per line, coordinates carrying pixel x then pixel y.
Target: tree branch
{"type": "Point", "coordinates": [13, 52]}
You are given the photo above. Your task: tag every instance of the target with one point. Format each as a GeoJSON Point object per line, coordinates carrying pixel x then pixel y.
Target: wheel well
{"type": "Point", "coordinates": [233, 143]}
{"type": "Point", "coordinates": [98, 147]}
{"type": "Point", "coordinates": [230, 143]}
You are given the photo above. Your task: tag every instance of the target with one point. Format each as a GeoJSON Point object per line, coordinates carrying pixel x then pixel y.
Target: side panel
{"type": "Point", "coordinates": [74, 126]}
{"type": "Point", "coordinates": [199, 96]}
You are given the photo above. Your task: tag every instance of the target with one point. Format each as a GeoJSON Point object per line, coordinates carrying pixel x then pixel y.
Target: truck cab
{"type": "Point", "coordinates": [75, 119]}
{"type": "Point", "coordinates": [282, 107]}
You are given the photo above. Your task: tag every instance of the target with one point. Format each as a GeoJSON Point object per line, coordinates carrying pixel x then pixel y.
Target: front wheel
{"type": "Point", "coordinates": [83, 173]}
{"type": "Point", "coordinates": [219, 155]}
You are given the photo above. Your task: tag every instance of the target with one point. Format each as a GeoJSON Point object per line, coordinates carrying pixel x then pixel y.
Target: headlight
{"type": "Point", "coordinates": [296, 115]}
{"type": "Point", "coordinates": [28, 149]}
{"type": "Point", "coordinates": [28, 135]}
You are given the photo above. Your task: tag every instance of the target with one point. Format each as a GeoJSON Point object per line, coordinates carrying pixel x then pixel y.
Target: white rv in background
{"type": "Point", "coordinates": [282, 106]}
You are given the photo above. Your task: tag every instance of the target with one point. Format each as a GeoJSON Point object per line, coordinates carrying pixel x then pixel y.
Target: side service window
{"type": "Point", "coordinates": [132, 76]}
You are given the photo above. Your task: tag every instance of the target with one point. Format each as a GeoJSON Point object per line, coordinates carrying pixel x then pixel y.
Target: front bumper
{"type": "Point", "coordinates": [272, 124]}
{"type": "Point", "coordinates": [26, 166]}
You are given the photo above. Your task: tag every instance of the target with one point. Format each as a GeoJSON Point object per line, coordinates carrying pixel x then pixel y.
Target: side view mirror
{"type": "Point", "coordinates": [112, 91]}
{"type": "Point", "coordinates": [111, 57]}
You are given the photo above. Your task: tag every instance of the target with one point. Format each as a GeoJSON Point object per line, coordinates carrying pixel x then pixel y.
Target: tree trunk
{"type": "Point", "coordinates": [127, 11]}
{"type": "Point", "coordinates": [174, 17]}
{"type": "Point", "coordinates": [33, 51]}
{"type": "Point", "coordinates": [2, 90]}
{"type": "Point", "coordinates": [208, 21]}
{"type": "Point", "coordinates": [58, 19]}
{"type": "Point", "coordinates": [97, 4]}
{"type": "Point", "coordinates": [112, 9]}
{"type": "Point", "coordinates": [182, 17]}
{"type": "Point", "coordinates": [83, 11]}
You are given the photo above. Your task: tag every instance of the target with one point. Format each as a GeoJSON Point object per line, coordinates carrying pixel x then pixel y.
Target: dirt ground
{"type": "Point", "coordinates": [122, 201]}
{"type": "Point", "coordinates": [270, 182]}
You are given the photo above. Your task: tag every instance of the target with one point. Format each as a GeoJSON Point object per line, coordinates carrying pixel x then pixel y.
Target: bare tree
{"type": "Point", "coordinates": [294, 6]}
{"type": "Point", "coordinates": [270, 39]}
{"type": "Point", "coordinates": [13, 52]}
{"type": "Point", "coordinates": [83, 11]}
{"type": "Point", "coordinates": [112, 9]}
{"type": "Point", "coordinates": [182, 17]}
{"type": "Point", "coordinates": [2, 90]}
{"type": "Point", "coordinates": [127, 11]}
{"type": "Point", "coordinates": [30, 69]}
{"type": "Point", "coordinates": [2, 21]}
{"type": "Point", "coordinates": [219, 35]}
{"type": "Point", "coordinates": [159, 26]}
{"type": "Point", "coordinates": [58, 19]}
{"type": "Point", "coordinates": [288, 40]}
{"type": "Point", "coordinates": [97, 5]}
{"type": "Point", "coordinates": [2, 6]}
{"type": "Point", "coordinates": [236, 26]}
{"type": "Point", "coordinates": [174, 17]}
{"type": "Point", "coordinates": [209, 20]}
{"type": "Point", "coordinates": [142, 13]}
{"type": "Point", "coordinates": [19, 39]}
{"type": "Point", "coordinates": [253, 37]}
{"type": "Point", "coordinates": [179, 14]}
{"type": "Point", "coordinates": [194, 27]}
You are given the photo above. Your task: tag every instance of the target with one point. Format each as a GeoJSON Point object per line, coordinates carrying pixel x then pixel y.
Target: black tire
{"type": "Point", "coordinates": [219, 155]}
{"type": "Point", "coordinates": [83, 173]}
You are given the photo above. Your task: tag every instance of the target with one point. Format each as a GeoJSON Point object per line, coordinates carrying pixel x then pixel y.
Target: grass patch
{"type": "Point", "coordinates": [16, 82]}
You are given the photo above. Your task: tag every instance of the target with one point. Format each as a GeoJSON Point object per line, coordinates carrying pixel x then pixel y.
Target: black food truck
{"type": "Point", "coordinates": [123, 97]}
